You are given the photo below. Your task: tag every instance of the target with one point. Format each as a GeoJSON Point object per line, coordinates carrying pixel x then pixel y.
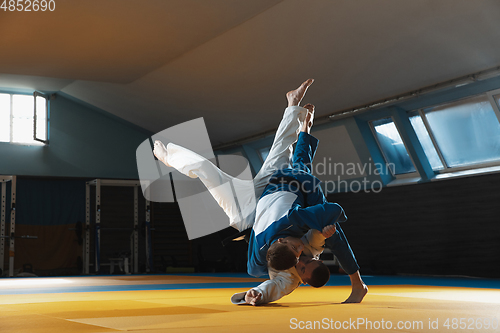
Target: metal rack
{"type": "Point", "coordinates": [98, 183]}
{"type": "Point", "coordinates": [4, 180]}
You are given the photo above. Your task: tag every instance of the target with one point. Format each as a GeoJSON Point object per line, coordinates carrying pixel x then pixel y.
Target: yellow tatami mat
{"type": "Point", "coordinates": [31, 307]}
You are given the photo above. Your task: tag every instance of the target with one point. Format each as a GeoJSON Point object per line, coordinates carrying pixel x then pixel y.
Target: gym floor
{"type": "Point", "coordinates": [200, 303]}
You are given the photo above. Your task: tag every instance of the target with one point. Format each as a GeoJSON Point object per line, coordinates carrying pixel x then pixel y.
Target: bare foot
{"type": "Point", "coordinates": [295, 96]}
{"type": "Point", "coordinates": [357, 294]}
{"type": "Point", "coordinates": [161, 152]}
{"type": "Point", "coordinates": [308, 122]}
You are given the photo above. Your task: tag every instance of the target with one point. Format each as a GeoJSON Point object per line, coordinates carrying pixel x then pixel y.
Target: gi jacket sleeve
{"type": "Point", "coordinates": [314, 242]}
{"type": "Point", "coordinates": [317, 216]}
{"type": "Point", "coordinates": [281, 284]}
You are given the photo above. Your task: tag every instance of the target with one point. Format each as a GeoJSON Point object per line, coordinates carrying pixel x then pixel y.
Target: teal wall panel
{"type": "Point", "coordinates": [84, 142]}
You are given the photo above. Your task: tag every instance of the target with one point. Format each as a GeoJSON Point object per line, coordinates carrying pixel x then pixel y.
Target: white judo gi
{"type": "Point", "coordinates": [282, 283]}
{"type": "Point", "coordinates": [241, 212]}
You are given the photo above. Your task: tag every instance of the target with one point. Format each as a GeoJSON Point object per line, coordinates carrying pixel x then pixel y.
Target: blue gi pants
{"type": "Point", "coordinates": [338, 244]}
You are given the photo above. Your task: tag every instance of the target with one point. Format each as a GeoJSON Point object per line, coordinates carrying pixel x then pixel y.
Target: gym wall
{"type": "Point", "coordinates": [84, 142]}
{"type": "Point", "coordinates": [439, 228]}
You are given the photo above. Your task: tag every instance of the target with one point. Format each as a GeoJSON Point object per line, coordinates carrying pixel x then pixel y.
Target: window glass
{"type": "Point", "coordinates": [467, 131]}
{"type": "Point", "coordinates": [22, 118]}
{"type": "Point", "coordinates": [392, 146]}
{"type": "Point", "coordinates": [16, 118]}
{"type": "Point", "coordinates": [4, 117]}
{"type": "Point", "coordinates": [41, 118]}
{"type": "Point", "coordinates": [497, 100]}
{"type": "Point", "coordinates": [264, 152]}
{"type": "Point", "coordinates": [425, 141]}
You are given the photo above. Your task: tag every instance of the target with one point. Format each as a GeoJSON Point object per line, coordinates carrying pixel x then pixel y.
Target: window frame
{"type": "Point", "coordinates": [259, 152]}
{"type": "Point", "coordinates": [423, 116]}
{"type": "Point", "coordinates": [496, 107]}
{"type": "Point", "coordinates": [374, 133]}
{"type": "Point", "coordinates": [35, 95]}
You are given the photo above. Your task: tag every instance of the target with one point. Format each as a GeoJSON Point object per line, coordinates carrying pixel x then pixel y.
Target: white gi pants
{"type": "Point", "coordinates": [235, 196]}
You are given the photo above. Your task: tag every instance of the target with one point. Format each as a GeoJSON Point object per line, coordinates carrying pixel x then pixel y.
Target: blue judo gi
{"type": "Point", "coordinates": [309, 210]}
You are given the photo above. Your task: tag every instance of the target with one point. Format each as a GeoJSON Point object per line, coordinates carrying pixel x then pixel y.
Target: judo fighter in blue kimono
{"type": "Point", "coordinates": [292, 221]}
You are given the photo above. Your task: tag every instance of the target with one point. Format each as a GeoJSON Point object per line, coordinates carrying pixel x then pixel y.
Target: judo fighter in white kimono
{"type": "Point", "coordinates": [291, 208]}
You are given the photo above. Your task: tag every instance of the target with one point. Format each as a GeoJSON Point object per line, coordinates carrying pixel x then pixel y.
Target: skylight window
{"type": "Point", "coordinates": [426, 141]}
{"type": "Point", "coordinates": [264, 152]}
{"type": "Point", "coordinates": [463, 133]}
{"type": "Point", "coordinates": [392, 146]}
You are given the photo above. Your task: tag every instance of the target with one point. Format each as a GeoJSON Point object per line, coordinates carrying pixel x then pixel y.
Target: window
{"type": "Point", "coordinates": [392, 146]}
{"type": "Point", "coordinates": [41, 118]}
{"type": "Point", "coordinates": [459, 134]}
{"type": "Point", "coordinates": [264, 152]}
{"type": "Point", "coordinates": [23, 118]}
{"type": "Point", "coordinates": [497, 99]}
{"type": "Point", "coordinates": [426, 141]}
{"type": "Point", "coordinates": [4, 117]}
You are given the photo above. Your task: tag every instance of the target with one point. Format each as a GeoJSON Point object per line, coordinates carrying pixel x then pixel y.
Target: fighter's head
{"type": "Point", "coordinates": [312, 271]}
{"type": "Point", "coordinates": [284, 253]}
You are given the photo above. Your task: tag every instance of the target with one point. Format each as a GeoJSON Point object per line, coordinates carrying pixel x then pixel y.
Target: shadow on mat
{"type": "Point", "coordinates": [297, 305]}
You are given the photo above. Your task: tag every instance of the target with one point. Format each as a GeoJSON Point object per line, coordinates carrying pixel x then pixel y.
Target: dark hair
{"type": "Point", "coordinates": [280, 257]}
{"type": "Point", "coordinates": [319, 276]}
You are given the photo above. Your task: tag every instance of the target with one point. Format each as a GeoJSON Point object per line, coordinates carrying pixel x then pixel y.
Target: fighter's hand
{"type": "Point", "coordinates": [328, 231]}
{"type": "Point", "coordinates": [252, 297]}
